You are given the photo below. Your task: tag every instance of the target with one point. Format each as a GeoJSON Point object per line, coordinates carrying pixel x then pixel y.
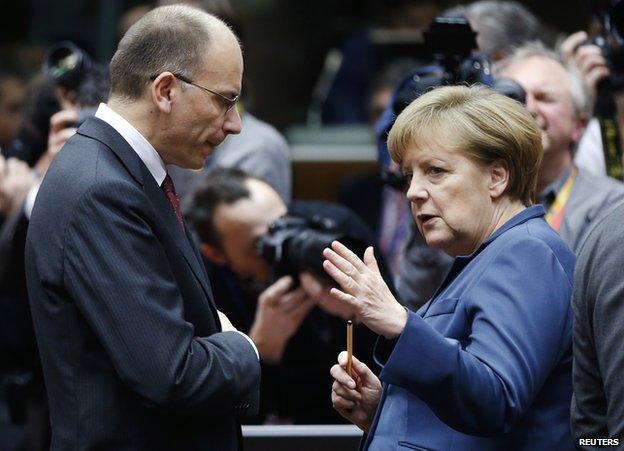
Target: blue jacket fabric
{"type": "Point", "coordinates": [486, 363]}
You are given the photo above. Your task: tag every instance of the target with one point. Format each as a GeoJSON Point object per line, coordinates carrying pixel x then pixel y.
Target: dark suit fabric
{"type": "Point", "coordinates": [20, 366]}
{"type": "Point", "coordinates": [123, 311]}
{"type": "Point", "coordinates": [598, 303]}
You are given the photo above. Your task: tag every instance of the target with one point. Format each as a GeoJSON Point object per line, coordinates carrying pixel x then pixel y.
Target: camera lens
{"type": "Point", "coordinates": [66, 65]}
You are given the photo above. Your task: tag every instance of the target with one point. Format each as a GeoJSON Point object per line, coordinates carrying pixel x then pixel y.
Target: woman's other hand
{"type": "Point", "coordinates": [356, 402]}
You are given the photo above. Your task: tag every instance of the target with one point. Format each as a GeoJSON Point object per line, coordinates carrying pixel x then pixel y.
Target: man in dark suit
{"type": "Point", "coordinates": [135, 354]}
{"type": "Point", "coordinates": [597, 301]}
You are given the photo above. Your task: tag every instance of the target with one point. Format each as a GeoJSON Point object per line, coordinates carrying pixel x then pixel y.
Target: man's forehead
{"type": "Point", "coordinates": [536, 67]}
{"type": "Point", "coordinates": [224, 60]}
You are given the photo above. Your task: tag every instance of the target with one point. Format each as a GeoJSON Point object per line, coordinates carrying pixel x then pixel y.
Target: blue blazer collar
{"type": "Point", "coordinates": [534, 211]}
{"type": "Point", "coordinates": [460, 262]}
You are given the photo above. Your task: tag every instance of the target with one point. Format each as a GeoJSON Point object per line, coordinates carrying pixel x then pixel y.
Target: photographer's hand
{"type": "Point", "coordinates": [587, 57]}
{"type": "Point", "coordinates": [319, 292]}
{"type": "Point", "coordinates": [16, 180]}
{"type": "Point", "coordinates": [61, 129]}
{"type": "Point", "coordinates": [279, 314]}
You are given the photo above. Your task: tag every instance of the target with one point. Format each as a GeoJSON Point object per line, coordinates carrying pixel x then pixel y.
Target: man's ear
{"type": "Point", "coordinates": [213, 254]}
{"type": "Point", "coordinates": [579, 127]}
{"type": "Point", "coordinates": [499, 178]}
{"type": "Point", "coordinates": [161, 91]}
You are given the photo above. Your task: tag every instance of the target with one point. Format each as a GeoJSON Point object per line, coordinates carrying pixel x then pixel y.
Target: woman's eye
{"type": "Point", "coordinates": [435, 170]}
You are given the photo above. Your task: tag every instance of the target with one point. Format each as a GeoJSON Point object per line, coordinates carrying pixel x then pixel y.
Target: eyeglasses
{"type": "Point", "coordinates": [227, 102]}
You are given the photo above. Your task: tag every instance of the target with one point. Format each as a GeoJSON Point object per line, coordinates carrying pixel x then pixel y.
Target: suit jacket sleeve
{"type": "Point", "coordinates": [118, 273]}
{"type": "Point", "coordinates": [598, 402]}
{"type": "Point", "coordinates": [519, 329]}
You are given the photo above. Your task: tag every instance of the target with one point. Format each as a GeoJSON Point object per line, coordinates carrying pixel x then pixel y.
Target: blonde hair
{"type": "Point", "coordinates": [484, 125]}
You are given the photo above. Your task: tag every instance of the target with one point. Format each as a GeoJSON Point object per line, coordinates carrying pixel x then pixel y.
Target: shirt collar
{"type": "Point", "coordinates": [146, 152]}
{"type": "Point", "coordinates": [549, 194]}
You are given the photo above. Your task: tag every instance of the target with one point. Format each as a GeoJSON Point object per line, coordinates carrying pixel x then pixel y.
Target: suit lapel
{"type": "Point", "coordinates": [157, 197]}
{"type": "Point", "coordinates": [97, 129]}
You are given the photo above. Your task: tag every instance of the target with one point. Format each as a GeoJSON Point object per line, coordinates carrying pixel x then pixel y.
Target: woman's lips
{"type": "Point", "coordinates": [426, 219]}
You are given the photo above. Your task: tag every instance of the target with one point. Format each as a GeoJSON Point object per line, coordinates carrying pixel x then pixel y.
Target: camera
{"type": "Point", "coordinates": [85, 84]}
{"type": "Point", "coordinates": [451, 42]}
{"type": "Point", "coordinates": [294, 244]}
{"type": "Point", "coordinates": [610, 13]}
{"type": "Point", "coordinates": [67, 65]}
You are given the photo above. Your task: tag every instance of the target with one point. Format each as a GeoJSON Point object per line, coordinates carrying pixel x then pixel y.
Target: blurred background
{"type": "Point", "coordinates": [286, 41]}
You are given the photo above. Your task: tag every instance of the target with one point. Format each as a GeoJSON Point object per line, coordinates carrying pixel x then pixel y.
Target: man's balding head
{"type": "Point", "coordinates": [172, 38]}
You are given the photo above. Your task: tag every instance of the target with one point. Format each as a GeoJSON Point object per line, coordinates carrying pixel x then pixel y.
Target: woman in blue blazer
{"type": "Point", "coordinates": [486, 363]}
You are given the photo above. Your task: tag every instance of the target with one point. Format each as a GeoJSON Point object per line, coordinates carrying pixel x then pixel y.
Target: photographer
{"type": "Point", "coordinates": [556, 97]}
{"type": "Point", "coordinates": [12, 95]}
{"type": "Point", "coordinates": [297, 327]}
{"type": "Point", "coordinates": [31, 153]}
{"type": "Point", "coordinates": [599, 151]}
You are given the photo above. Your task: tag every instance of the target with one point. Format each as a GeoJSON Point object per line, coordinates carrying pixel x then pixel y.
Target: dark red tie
{"type": "Point", "coordinates": [172, 197]}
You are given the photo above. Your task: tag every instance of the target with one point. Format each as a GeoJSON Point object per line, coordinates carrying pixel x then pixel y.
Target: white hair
{"type": "Point", "coordinates": [578, 90]}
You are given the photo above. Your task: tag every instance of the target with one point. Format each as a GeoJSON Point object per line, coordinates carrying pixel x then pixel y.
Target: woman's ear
{"type": "Point", "coordinates": [161, 91]}
{"type": "Point", "coordinates": [499, 178]}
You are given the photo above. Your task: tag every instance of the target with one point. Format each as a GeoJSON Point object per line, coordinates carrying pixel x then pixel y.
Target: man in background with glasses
{"type": "Point", "coordinates": [134, 352]}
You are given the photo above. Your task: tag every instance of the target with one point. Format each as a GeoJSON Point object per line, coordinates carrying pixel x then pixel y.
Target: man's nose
{"type": "Point", "coordinates": [232, 124]}
{"type": "Point", "coordinates": [531, 104]}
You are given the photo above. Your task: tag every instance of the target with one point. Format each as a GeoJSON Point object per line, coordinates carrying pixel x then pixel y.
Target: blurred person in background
{"type": "Point", "coordinates": [12, 98]}
{"type": "Point", "coordinates": [598, 400]}
{"type": "Point", "coordinates": [501, 26]}
{"type": "Point", "coordinates": [556, 97]}
{"type": "Point", "coordinates": [23, 378]}
{"type": "Point", "coordinates": [597, 149]}
{"type": "Point", "coordinates": [297, 326]}
{"type": "Point", "coordinates": [486, 364]}
{"type": "Point", "coordinates": [350, 92]}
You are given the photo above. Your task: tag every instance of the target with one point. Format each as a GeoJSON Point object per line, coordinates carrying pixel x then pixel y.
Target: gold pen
{"type": "Point", "coordinates": [350, 347]}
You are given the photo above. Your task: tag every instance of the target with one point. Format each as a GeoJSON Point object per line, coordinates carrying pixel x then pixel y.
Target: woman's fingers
{"type": "Point", "coordinates": [341, 263]}
{"type": "Point", "coordinates": [348, 255]}
{"type": "Point", "coordinates": [340, 376]}
{"type": "Point", "coordinates": [346, 282]}
{"type": "Point", "coordinates": [370, 261]}
{"type": "Point", "coordinates": [349, 398]}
